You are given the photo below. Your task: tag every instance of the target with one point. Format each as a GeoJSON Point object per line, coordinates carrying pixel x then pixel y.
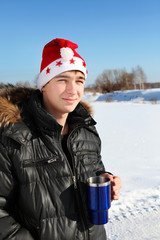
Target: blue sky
{"type": "Point", "coordinates": [110, 34]}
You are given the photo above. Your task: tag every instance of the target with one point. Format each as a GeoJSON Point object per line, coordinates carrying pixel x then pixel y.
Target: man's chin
{"type": "Point", "coordinates": [70, 108]}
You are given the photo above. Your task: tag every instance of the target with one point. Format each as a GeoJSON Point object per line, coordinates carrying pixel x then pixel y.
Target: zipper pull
{"type": "Point", "coordinates": [74, 182]}
{"type": "Point", "coordinates": [51, 160]}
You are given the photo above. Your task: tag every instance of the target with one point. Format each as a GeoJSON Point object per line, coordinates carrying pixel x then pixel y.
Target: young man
{"type": "Point", "coordinates": [49, 147]}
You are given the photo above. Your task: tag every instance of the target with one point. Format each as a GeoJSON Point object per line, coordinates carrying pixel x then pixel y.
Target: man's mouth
{"type": "Point", "coordinates": [69, 100]}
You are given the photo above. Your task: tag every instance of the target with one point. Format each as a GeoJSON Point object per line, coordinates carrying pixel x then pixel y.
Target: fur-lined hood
{"type": "Point", "coordinates": [10, 97]}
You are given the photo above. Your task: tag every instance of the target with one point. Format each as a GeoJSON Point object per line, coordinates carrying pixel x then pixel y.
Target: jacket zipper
{"type": "Point", "coordinates": [75, 183]}
{"type": "Point", "coordinates": [31, 163]}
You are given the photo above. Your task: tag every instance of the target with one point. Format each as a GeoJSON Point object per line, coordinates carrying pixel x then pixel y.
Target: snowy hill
{"type": "Point", "coordinates": [130, 134]}
{"type": "Point", "coordinates": [152, 95]}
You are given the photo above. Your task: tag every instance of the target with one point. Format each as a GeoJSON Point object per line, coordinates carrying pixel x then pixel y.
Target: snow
{"type": "Point", "coordinates": [132, 95]}
{"type": "Point", "coordinates": [130, 134]}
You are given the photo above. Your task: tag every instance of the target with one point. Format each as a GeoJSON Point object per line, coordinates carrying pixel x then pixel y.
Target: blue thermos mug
{"type": "Point", "coordinates": [99, 199]}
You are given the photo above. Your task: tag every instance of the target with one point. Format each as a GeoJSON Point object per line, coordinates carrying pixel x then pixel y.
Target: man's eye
{"type": "Point", "coordinates": [80, 81]}
{"type": "Point", "coordinates": [61, 80]}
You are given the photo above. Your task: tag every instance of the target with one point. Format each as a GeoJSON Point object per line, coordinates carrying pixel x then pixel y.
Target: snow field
{"type": "Point", "coordinates": [130, 134]}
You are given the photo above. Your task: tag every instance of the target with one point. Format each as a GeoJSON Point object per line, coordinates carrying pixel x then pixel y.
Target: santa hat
{"type": "Point", "coordinates": [59, 56]}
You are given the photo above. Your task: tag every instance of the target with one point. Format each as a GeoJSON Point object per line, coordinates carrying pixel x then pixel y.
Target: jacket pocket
{"type": "Point", "coordinates": [39, 162]}
{"type": "Point", "coordinates": [88, 158]}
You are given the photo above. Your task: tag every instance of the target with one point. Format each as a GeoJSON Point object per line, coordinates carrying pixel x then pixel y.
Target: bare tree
{"type": "Point", "coordinates": [140, 77]}
{"type": "Point", "coordinates": [113, 80]}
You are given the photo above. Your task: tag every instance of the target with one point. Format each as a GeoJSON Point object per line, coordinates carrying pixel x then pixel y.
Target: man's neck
{"type": "Point", "coordinates": [62, 120]}
{"type": "Point", "coordinates": [60, 117]}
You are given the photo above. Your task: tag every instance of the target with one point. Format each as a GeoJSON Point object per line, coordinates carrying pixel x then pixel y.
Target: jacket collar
{"type": "Point", "coordinates": [16, 101]}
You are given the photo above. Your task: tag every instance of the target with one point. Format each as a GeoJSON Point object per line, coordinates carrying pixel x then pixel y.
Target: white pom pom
{"type": "Point", "coordinates": [66, 53]}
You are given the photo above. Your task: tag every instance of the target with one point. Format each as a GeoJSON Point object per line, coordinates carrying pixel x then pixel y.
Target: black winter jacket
{"type": "Point", "coordinates": [42, 196]}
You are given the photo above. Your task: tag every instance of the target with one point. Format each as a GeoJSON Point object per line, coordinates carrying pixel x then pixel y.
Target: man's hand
{"type": "Point", "coordinates": [115, 185]}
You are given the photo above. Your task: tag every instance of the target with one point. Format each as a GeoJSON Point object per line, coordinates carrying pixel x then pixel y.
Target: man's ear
{"type": "Point", "coordinates": [43, 89]}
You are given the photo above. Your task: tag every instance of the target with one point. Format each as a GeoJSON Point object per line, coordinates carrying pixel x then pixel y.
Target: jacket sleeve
{"type": "Point", "coordinates": [9, 227]}
{"type": "Point", "coordinates": [100, 165]}
{"type": "Point", "coordinates": [100, 168]}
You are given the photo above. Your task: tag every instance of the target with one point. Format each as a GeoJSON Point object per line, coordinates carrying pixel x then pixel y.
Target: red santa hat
{"type": "Point", "coordinates": [59, 56]}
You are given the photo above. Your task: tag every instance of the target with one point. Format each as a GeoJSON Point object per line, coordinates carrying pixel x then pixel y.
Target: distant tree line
{"type": "Point", "coordinates": [108, 81]}
{"type": "Point", "coordinates": [25, 84]}
{"type": "Point", "coordinates": [114, 80]}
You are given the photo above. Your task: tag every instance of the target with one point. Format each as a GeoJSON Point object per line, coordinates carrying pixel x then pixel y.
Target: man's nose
{"type": "Point", "coordinates": [71, 88]}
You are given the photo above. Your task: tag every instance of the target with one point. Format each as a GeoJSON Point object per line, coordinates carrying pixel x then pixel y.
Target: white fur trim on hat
{"type": "Point", "coordinates": [59, 66]}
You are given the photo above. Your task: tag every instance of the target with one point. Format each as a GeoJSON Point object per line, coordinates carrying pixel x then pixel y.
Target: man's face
{"type": "Point", "coordinates": [62, 94]}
